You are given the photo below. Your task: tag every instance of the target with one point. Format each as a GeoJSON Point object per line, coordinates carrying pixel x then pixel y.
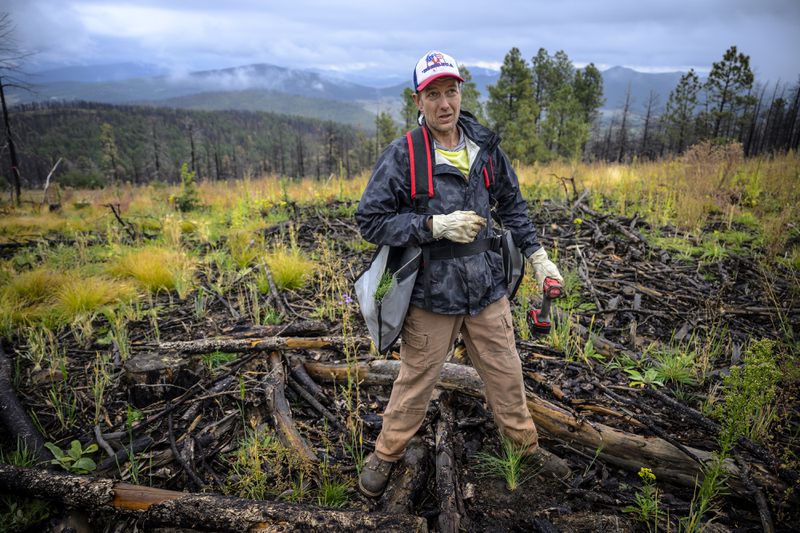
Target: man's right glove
{"type": "Point", "coordinates": [458, 226]}
{"type": "Point", "coordinates": [543, 267]}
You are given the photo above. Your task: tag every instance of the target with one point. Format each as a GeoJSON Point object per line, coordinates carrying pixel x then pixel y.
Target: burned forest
{"type": "Point", "coordinates": [240, 391]}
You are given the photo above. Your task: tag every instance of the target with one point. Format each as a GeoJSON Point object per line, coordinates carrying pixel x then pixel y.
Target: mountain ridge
{"type": "Point", "coordinates": [111, 84]}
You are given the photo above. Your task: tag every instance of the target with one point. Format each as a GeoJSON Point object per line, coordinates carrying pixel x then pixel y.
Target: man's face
{"type": "Point", "coordinates": [440, 103]}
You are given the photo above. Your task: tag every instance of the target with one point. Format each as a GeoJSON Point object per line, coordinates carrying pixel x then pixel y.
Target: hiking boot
{"type": "Point", "coordinates": [374, 476]}
{"type": "Point", "coordinates": [549, 464]}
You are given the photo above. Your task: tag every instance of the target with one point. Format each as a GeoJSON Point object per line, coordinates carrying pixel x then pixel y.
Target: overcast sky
{"type": "Point", "coordinates": [372, 36]}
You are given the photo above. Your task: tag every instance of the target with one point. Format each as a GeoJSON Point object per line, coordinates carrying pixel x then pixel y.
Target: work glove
{"type": "Point", "coordinates": [458, 226]}
{"type": "Point", "coordinates": [543, 268]}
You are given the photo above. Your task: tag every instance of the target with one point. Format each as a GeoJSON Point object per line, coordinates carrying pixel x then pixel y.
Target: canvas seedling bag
{"type": "Point", "coordinates": [385, 315]}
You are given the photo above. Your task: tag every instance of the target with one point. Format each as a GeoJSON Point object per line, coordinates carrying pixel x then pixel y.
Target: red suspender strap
{"type": "Point", "coordinates": [485, 177]}
{"type": "Point", "coordinates": [491, 167]}
{"type": "Point", "coordinates": [430, 167]}
{"type": "Point", "coordinates": [412, 165]}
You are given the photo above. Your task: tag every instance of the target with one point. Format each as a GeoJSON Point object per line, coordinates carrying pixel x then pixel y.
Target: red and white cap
{"type": "Point", "coordinates": [434, 65]}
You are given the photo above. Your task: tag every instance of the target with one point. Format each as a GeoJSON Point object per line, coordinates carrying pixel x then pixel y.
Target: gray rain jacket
{"type": "Point", "coordinates": [386, 215]}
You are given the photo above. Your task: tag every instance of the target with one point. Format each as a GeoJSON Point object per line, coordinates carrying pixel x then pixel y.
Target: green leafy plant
{"type": "Point", "coordinates": [76, 459]}
{"type": "Point", "coordinates": [645, 502]}
{"type": "Point", "coordinates": [509, 463]}
{"type": "Point", "coordinates": [746, 409]}
{"type": "Point", "coordinates": [640, 379]}
{"type": "Point", "coordinates": [20, 514]}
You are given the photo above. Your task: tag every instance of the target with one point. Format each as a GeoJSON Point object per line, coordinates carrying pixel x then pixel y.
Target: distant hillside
{"type": "Point", "coordinates": [96, 73]}
{"type": "Point", "coordinates": [617, 79]}
{"type": "Point", "coordinates": [261, 76]}
{"type": "Point", "coordinates": [313, 94]}
{"type": "Point", "coordinates": [152, 143]}
{"type": "Point", "coordinates": [274, 102]}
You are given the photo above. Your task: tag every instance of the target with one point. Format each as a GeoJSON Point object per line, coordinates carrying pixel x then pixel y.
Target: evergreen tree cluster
{"type": "Point", "coordinates": [544, 110]}
{"type": "Point", "coordinates": [547, 109]}
{"type": "Point", "coordinates": [105, 144]}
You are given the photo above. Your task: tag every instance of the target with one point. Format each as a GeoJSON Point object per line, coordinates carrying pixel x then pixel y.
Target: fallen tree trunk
{"type": "Point", "coordinates": [14, 417]}
{"type": "Point", "coordinates": [451, 508]}
{"type": "Point", "coordinates": [301, 328]}
{"type": "Point", "coordinates": [407, 481]}
{"type": "Point", "coordinates": [623, 449]}
{"type": "Point", "coordinates": [281, 413]}
{"type": "Point", "coordinates": [204, 512]}
{"type": "Point", "coordinates": [265, 344]}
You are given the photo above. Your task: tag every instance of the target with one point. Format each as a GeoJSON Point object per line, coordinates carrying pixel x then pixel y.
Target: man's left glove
{"type": "Point", "coordinates": [458, 226]}
{"type": "Point", "coordinates": [543, 268]}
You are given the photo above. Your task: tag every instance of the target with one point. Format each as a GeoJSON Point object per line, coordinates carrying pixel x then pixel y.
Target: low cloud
{"type": "Point", "coordinates": [364, 36]}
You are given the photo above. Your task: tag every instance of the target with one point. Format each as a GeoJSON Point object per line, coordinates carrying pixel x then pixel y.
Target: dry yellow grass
{"type": "Point", "coordinates": [685, 191]}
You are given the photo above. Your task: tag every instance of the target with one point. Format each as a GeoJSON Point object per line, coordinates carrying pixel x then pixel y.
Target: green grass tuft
{"type": "Point", "coordinates": [510, 463]}
{"type": "Point", "coordinates": [86, 296]}
{"type": "Point", "coordinates": [291, 269]}
{"type": "Point", "coordinates": [155, 268]}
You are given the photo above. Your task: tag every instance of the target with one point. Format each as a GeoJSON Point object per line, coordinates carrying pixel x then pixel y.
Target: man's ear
{"type": "Point", "coordinates": [417, 100]}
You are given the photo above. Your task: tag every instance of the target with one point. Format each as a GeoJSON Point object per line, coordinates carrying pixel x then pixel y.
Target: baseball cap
{"type": "Point", "coordinates": [434, 65]}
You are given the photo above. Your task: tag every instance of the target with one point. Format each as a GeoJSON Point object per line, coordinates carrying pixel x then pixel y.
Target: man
{"type": "Point", "coordinates": [463, 293]}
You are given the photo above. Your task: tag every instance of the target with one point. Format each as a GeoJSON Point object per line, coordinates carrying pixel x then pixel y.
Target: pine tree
{"type": "Point", "coordinates": [511, 108]}
{"type": "Point", "coordinates": [588, 86]}
{"type": "Point", "coordinates": [679, 113]}
{"type": "Point", "coordinates": [567, 102]}
{"type": "Point", "coordinates": [727, 88]}
{"type": "Point", "coordinates": [386, 130]}
{"type": "Point", "coordinates": [470, 96]}
{"type": "Point", "coordinates": [409, 109]}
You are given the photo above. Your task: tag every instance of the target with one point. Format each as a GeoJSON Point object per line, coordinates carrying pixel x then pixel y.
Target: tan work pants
{"type": "Point", "coordinates": [427, 339]}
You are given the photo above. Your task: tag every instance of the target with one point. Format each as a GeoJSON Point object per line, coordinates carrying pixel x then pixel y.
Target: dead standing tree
{"type": "Point", "coordinates": [10, 57]}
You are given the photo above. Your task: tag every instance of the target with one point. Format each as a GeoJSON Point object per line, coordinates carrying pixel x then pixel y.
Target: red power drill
{"type": "Point", "coordinates": [539, 319]}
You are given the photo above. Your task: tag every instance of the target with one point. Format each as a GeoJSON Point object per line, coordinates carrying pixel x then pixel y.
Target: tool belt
{"type": "Point", "coordinates": [452, 250]}
{"type": "Point", "coordinates": [502, 243]}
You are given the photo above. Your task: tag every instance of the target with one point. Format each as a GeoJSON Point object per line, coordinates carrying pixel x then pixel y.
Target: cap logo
{"type": "Point", "coordinates": [436, 60]}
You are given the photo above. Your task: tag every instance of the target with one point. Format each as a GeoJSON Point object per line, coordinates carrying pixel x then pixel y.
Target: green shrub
{"type": "Point", "coordinates": [749, 394]}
